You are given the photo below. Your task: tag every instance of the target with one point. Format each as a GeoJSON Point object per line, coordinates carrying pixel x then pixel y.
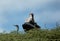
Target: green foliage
{"type": "Point", "coordinates": [32, 35]}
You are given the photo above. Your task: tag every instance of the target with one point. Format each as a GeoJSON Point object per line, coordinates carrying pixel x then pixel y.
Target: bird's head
{"type": "Point", "coordinates": [16, 25]}
{"type": "Point", "coordinates": [31, 14]}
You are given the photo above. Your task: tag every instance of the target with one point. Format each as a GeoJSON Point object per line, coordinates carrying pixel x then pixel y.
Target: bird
{"type": "Point", "coordinates": [17, 27]}
{"type": "Point", "coordinates": [30, 23]}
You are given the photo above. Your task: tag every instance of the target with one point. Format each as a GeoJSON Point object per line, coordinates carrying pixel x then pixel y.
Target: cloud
{"type": "Point", "coordinates": [22, 4]}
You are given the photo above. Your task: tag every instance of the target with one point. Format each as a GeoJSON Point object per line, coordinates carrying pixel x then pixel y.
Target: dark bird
{"type": "Point", "coordinates": [17, 28]}
{"type": "Point", "coordinates": [30, 23]}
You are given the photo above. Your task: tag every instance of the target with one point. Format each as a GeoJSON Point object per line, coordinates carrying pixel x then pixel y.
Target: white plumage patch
{"type": "Point", "coordinates": [28, 19]}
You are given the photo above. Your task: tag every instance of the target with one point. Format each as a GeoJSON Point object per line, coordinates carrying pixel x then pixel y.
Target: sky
{"type": "Point", "coordinates": [14, 12]}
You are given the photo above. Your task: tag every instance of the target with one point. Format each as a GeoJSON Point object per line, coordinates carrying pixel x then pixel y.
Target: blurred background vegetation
{"type": "Point", "coordinates": [32, 35]}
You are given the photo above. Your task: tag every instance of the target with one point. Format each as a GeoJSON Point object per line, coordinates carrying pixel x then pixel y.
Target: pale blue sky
{"type": "Point", "coordinates": [16, 11]}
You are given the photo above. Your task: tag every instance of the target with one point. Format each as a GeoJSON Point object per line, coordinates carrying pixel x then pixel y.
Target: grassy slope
{"type": "Point", "coordinates": [32, 35]}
